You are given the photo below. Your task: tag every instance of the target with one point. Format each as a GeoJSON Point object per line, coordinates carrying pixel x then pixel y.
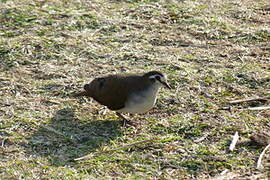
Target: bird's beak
{"type": "Point", "coordinates": [166, 85]}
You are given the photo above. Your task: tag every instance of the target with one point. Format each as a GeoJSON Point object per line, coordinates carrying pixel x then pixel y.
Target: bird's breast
{"type": "Point", "coordinates": [140, 102]}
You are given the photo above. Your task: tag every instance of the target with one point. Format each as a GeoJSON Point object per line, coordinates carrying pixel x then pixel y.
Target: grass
{"type": "Point", "coordinates": [212, 52]}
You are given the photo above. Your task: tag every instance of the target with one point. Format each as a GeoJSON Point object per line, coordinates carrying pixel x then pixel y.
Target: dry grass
{"type": "Point", "coordinates": [213, 52]}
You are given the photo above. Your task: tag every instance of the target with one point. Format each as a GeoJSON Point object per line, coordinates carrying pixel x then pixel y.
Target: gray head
{"type": "Point", "coordinates": [157, 78]}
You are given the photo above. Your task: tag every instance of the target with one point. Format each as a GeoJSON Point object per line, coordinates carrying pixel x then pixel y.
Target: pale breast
{"type": "Point", "coordinates": [141, 102]}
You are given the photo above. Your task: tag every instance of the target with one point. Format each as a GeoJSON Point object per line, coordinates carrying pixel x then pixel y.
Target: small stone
{"type": "Point", "coordinates": [260, 138]}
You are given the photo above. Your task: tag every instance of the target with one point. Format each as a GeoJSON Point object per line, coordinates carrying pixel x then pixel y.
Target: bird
{"type": "Point", "coordinates": [126, 93]}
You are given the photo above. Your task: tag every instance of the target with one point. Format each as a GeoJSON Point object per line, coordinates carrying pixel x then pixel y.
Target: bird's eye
{"type": "Point", "coordinates": [152, 79]}
{"type": "Point", "coordinates": [158, 78]}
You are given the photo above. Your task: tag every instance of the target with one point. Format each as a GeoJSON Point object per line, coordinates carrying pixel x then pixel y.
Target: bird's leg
{"type": "Point", "coordinates": [125, 120]}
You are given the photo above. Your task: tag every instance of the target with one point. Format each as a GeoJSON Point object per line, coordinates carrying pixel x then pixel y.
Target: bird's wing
{"type": "Point", "coordinates": [111, 91]}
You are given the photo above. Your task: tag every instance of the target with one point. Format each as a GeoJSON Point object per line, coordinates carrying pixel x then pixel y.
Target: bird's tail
{"type": "Point", "coordinates": [86, 91]}
{"type": "Point", "coordinates": [86, 88]}
{"type": "Point", "coordinates": [78, 94]}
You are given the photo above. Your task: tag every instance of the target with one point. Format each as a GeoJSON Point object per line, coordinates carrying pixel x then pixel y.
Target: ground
{"type": "Point", "coordinates": [213, 52]}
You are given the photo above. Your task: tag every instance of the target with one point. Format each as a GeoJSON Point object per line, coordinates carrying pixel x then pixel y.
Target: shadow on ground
{"type": "Point", "coordinates": [66, 137]}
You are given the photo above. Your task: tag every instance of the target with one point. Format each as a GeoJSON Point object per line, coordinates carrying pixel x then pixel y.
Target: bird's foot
{"type": "Point", "coordinates": [128, 123]}
{"type": "Point", "coordinates": [125, 121]}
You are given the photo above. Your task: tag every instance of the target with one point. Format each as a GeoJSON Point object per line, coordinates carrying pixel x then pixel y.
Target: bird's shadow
{"type": "Point", "coordinates": [67, 137]}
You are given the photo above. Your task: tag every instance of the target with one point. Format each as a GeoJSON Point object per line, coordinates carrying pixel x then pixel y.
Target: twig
{"type": "Point", "coordinates": [228, 108]}
{"type": "Point", "coordinates": [97, 31]}
{"type": "Point", "coordinates": [226, 175]}
{"type": "Point", "coordinates": [201, 138]}
{"type": "Point", "coordinates": [265, 98]}
{"type": "Point", "coordinates": [259, 108]}
{"type": "Point", "coordinates": [225, 171]}
{"type": "Point", "coordinates": [3, 142]}
{"type": "Point", "coordinates": [112, 150]}
{"type": "Point", "coordinates": [259, 163]}
{"type": "Point", "coordinates": [234, 141]}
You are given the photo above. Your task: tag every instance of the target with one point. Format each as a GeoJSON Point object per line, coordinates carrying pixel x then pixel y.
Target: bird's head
{"type": "Point", "coordinates": [157, 78]}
